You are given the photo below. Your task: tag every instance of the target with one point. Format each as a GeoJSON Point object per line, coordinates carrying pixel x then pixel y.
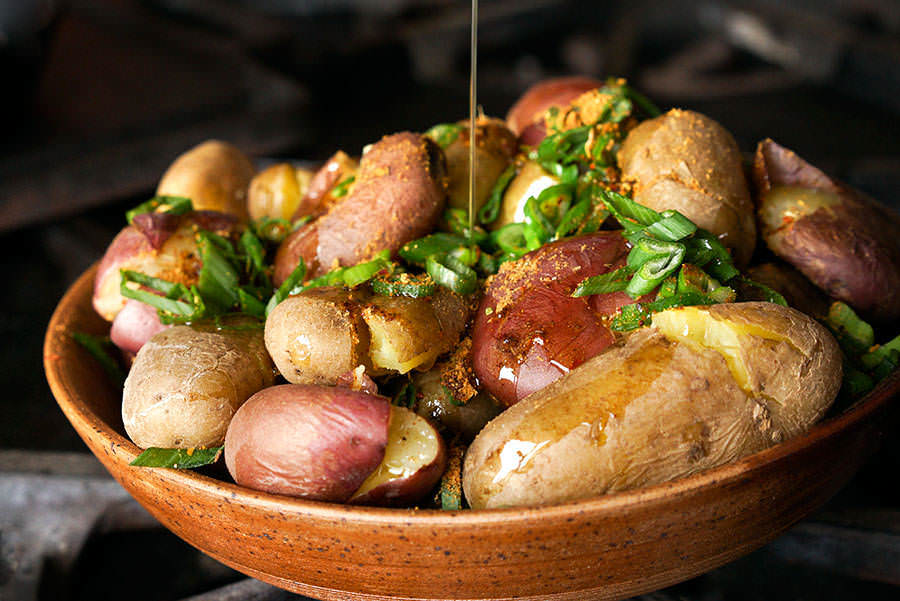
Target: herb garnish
{"type": "Point", "coordinates": [177, 458]}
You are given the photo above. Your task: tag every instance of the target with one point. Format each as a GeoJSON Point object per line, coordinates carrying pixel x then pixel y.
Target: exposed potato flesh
{"type": "Point", "coordinates": [413, 461]}
{"type": "Point", "coordinates": [653, 409]}
{"type": "Point", "coordinates": [530, 181]}
{"type": "Point", "coordinates": [276, 191]}
{"type": "Point", "coordinates": [408, 333]}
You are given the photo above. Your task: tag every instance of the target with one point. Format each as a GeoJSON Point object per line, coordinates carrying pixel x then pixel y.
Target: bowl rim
{"type": "Point", "coordinates": [607, 504]}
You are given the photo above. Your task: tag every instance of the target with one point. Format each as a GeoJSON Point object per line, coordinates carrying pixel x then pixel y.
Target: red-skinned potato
{"type": "Point", "coordinates": [685, 161]}
{"type": "Point", "coordinates": [157, 245]}
{"type": "Point", "coordinates": [309, 441]}
{"type": "Point", "coordinates": [526, 117]}
{"type": "Point", "coordinates": [845, 243]}
{"type": "Point", "coordinates": [319, 195]}
{"type": "Point", "coordinates": [215, 175]}
{"type": "Point", "coordinates": [398, 196]}
{"type": "Point", "coordinates": [135, 324]}
{"type": "Point", "coordinates": [529, 331]}
{"type": "Point", "coordinates": [276, 192]}
{"type": "Point", "coordinates": [413, 462]}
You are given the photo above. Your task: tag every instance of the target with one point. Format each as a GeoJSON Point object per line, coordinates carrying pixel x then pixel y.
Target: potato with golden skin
{"type": "Point", "coordinates": [277, 191]}
{"type": "Point", "coordinates": [215, 175]}
{"type": "Point", "coordinates": [187, 382]}
{"type": "Point", "coordinates": [702, 387]}
{"type": "Point", "coordinates": [495, 147]}
{"type": "Point", "coordinates": [687, 162]}
{"type": "Point", "coordinates": [319, 335]}
{"type": "Point", "coordinates": [314, 442]}
{"type": "Point", "coordinates": [844, 242]}
{"type": "Point", "coordinates": [398, 195]}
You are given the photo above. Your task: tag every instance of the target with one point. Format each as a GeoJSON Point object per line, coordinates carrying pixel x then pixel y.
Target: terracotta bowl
{"type": "Point", "coordinates": [605, 548]}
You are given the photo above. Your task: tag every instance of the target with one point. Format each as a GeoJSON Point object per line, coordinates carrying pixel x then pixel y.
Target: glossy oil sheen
{"type": "Point", "coordinates": [611, 547]}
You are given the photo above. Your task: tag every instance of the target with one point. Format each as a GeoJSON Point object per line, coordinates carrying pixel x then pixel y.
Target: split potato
{"type": "Point", "coordinates": [414, 460]}
{"type": "Point", "coordinates": [687, 162]}
{"type": "Point", "coordinates": [845, 243]}
{"type": "Point", "coordinates": [317, 336]}
{"type": "Point", "coordinates": [315, 442]}
{"type": "Point", "coordinates": [321, 195]}
{"type": "Point", "coordinates": [215, 175]}
{"type": "Point", "coordinates": [187, 382]}
{"type": "Point", "coordinates": [702, 387]}
{"type": "Point", "coordinates": [530, 180]}
{"type": "Point", "coordinates": [157, 245]}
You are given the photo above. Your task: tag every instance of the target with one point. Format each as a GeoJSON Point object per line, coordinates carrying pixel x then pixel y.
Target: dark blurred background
{"type": "Point", "coordinates": [101, 95]}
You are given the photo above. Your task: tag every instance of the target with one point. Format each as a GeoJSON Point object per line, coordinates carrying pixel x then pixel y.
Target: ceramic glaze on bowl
{"type": "Point", "coordinates": [609, 547]}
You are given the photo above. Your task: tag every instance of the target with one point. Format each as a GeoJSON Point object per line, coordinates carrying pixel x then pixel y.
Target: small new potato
{"type": "Point", "coordinates": [187, 381]}
{"type": "Point", "coordinates": [687, 162]}
{"type": "Point", "coordinates": [530, 180]}
{"type": "Point", "coordinates": [414, 459]}
{"type": "Point", "coordinates": [494, 149]}
{"type": "Point", "coordinates": [526, 117]}
{"type": "Point", "coordinates": [529, 330]}
{"type": "Point", "coordinates": [277, 191]}
{"type": "Point", "coordinates": [135, 324]}
{"type": "Point", "coordinates": [314, 442]}
{"type": "Point", "coordinates": [215, 175]}
{"type": "Point", "coordinates": [434, 402]}
{"type": "Point", "coordinates": [398, 196]}
{"type": "Point", "coordinates": [844, 242]}
{"type": "Point", "coordinates": [702, 387]}
{"type": "Point", "coordinates": [320, 194]}
{"type": "Point", "coordinates": [317, 336]}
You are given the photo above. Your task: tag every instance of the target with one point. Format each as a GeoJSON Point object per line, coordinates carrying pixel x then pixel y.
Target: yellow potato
{"type": "Point", "coordinates": [702, 387]}
{"type": "Point", "coordinates": [187, 382]}
{"type": "Point", "coordinates": [214, 175]}
{"type": "Point", "coordinates": [276, 191]}
{"type": "Point", "coordinates": [685, 161]}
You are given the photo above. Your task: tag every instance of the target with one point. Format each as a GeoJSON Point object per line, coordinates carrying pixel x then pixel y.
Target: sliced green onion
{"type": "Point", "coordinates": [340, 190]}
{"type": "Point", "coordinates": [623, 207]}
{"type": "Point", "coordinates": [642, 101]}
{"type": "Point", "coordinates": [467, 255]}
{"type": "Point", "coordinates": [250, 304]}
{"type": "Point", "coordinates": [491, 209]}
{"type": "Point", "coordinates": [175, 205]}
{"type": "Point", "coordinates": [288, 285]}
{"type": "Point", "coordinates": [271, 229]}
{"type": "Point", "coordinates": [445, 134]}
{"type": "Point", "coordinates": [173, 306]}
{"type": "Point", "coordinates": [458, 222]}
{"type": "Point", "coordinates": [452, 274]}
{"type": "Point", "coordinates": [646, 248]}
{"type": "Point", "coordinates": [854, 335]}
{"type": "Point", "coordinates": [406, 396]}
{"type": "Point", "coordinates": [668, 288]}
{"type": "Point", "coordinates": [613, 281]}
{"type": "Point", "coordinates": [511, 239]}
{"type": "Point", "coordinates": [856, 383]}
{"type": "Point", "coordinates": [177, 458]}
{"type": "Point", "coordinates": [630, 318]}
{"type": "Point", "coordinates": [99, 347]}
{"type": "Point", "coordinates": [653, 272]}
{"type": "Point", "coordinates": [488, 264]}
{"type": "Point", "coordinates": [363, 272]}
{"type": "Point", "coordinates": [418, 251]}
{"type": "Point", "coordinates": [672, 227]}
{"type": "Point", "coordinates": [218, 280]}
{"type": "Point", "coordinates": [883, 359]}
{"type": "Point", "coordinates": [537, 228]}
{"type": "Point", "coordinates": [404, 284]}
{"type": "Point", "coordinates": [771, 296]}
{"type": "Point", "coordinates": [573, 219]}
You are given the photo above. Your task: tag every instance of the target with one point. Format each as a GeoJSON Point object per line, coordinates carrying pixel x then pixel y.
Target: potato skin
{"type": "Point", "coordinates": [685, 161]}
{"type": "Point", "coordinates": [215, 175]}
{"type": "Point", "coordinates": [176, 259]}
{"type": "Point", "coordinates": [651, 409]}
{"type": "Point", "coordinates": [315, 442]}
{"type": "Point", "coordinates": [135, 324]}
{"type": "Point", "coordinates": [317, 336]}
{"type": "Point", "coordinates": [849, 246]}
{"type": "Point", "coordinates": [525, 117]}
{"type": "Point", "coordinates": [494, 149]}
{"type": "Point", "coordinates": [318, 197]}
{"type": "Point", "coordinates": [529, 331]}
{"type": "Point", "coordinates": [798, 291]}
{"type": "Point", "coordinates": [530, 181]}
{"type": "Point", "coordinates": [398, 196]}
{"type": "Point", "coordinates": [187, 382]}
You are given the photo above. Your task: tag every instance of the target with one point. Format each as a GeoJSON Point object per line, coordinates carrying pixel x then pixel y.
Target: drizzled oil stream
{"type": "Point", "coordinates": [473, 89]}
